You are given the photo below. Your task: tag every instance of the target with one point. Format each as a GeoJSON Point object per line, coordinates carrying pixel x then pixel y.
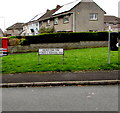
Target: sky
{"type": "Point", "coordinates": [13, 11]}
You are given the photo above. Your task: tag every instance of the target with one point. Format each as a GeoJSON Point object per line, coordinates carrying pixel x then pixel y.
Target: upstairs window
{"type": "Point", "coordinates": [48, 23]}
{"type": "Point", "coordinates": [36, 24]}
{"type": "Point", "coordinates": [36, 29]}
{"type": "Point", "coordinates": [40, 24]}
{"type": "Point", "coordinates": [93, 16]}
{"type": "Point", "coordinates": [66, 19]}
{"type": "Point", "coordinates": [56, 21]}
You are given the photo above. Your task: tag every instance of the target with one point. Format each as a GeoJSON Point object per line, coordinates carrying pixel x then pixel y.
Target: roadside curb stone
{"type": "Point", "coordinates": [62, 83]}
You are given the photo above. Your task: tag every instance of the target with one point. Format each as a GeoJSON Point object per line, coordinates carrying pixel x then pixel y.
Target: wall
{"type": "Point", "coordinates": [14, 32]}
{"type": "Point", "coordinates": [64, 26]}
{"type": "Point", "coordinates": [115, 27]}
{"type": "Point", "coordinates": [83, 22]}
{"type": "Point", "coordinates": [35, 47]}
{"type": "Point", "coordinates": [60, 26]}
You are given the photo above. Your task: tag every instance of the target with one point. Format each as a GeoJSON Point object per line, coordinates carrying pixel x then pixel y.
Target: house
{"type": "Point", "coordinates": [32, 27]}
{"type": "Point", "coordinates": [77, 16]}
{"type": "Point", "coordinates": [112, 21]}
{"type": "Point", "coordinates": [1, 33]}
{"type": "Point", "coordinates": [15, 30]}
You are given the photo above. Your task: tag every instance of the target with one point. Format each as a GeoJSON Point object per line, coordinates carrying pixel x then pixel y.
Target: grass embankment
{"type": "Point", "coordinates": [74, 60]}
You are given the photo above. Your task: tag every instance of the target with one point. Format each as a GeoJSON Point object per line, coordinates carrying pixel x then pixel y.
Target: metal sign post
{"type": "Point", "coordinates": [38, 59]}
{"type": "Point", "coordinates": [63, 59]}
{"type": "Point", "coordinates": [109, 44]}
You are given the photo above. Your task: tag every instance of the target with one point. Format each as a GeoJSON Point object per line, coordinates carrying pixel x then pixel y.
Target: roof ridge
{"type": "Point", "coordinates": [71, 2]}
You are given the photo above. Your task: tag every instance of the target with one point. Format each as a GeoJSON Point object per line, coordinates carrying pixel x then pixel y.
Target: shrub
{"type": "Point", "coordinates": [66, 37]}
{"type": "Point", "coordinates": [14, 42]}
{"type": "Point", "coordinates": [47, 30]}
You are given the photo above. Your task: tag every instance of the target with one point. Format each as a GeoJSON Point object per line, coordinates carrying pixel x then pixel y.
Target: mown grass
{"type": "Point", "coordinates": [74, 60]}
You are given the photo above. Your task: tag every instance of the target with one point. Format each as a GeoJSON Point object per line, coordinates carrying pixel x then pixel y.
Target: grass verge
{"type": "Point", "coordinates": [74, 60]}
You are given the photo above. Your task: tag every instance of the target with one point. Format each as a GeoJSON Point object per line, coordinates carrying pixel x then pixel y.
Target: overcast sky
{"type": "Point", "coordinates": [13, 11]}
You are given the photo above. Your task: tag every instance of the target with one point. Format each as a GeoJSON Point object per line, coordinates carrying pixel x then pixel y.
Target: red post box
{"type": "Point", "coordinates": [5, 45]}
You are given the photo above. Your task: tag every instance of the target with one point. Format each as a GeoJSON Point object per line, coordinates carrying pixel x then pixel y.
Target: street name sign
{"type": "Point", "coordinates": [50, 51]}
{"type": "Point", "coordinates": [2, 52]}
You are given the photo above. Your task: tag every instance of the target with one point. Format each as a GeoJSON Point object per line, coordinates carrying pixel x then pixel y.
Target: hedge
{"type": "Point", "coordinates": [66, 37]}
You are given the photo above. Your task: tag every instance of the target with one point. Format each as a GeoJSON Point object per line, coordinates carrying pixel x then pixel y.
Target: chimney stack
{"type": "Point", "coordinates": [58, 6]}
{"type": "Point", "coordinates": [47, 10]}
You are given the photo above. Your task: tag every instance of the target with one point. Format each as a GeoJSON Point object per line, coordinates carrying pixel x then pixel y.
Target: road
{"type": "Point", "coordinates": [74, 98]}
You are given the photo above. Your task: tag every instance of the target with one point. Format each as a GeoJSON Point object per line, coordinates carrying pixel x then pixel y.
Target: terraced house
{"type": "Point", "coordinates": [15, 30]}
{"type": "Point", "coordinates": [77, 16]}
{"type": "Point", "coordinates": [112, 21]}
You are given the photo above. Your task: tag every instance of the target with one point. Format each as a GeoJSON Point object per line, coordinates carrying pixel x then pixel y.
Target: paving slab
{"type": "Point", "coordinates": [60, 76]}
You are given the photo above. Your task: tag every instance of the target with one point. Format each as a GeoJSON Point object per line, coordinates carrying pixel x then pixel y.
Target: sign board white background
{"type": "Point", "coordinates": [51, 51]}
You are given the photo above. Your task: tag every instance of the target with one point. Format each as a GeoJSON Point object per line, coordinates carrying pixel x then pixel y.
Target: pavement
{"type": "Point", "coordinates": [108, 77]}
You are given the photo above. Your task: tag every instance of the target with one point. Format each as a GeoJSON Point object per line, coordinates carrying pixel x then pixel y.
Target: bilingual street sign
{"type": "Point", "coordinates": [2, 52]}
{"type": "Point", "coordinates": [50, 51]}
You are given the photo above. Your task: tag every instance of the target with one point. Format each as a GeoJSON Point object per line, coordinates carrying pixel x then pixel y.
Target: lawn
{"type": "Point", "coordinates": [74, 60]}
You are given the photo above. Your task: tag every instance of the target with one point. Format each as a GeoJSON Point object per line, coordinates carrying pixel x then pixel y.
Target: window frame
{"type": "Point", "coordinates": [67, 19]}
{"type": "Point", "coordinates": [48, 23]}
{"type": "Point", "coordinates": [36, 24]}
{"type": "Point", "coordinates": [93, 16]}
{"type": "Point", "coordinates": [56, 21]}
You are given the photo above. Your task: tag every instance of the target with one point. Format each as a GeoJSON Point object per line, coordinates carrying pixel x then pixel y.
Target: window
{"type": "Point", "coordinates": [93, 30]}
{"type": "Point", "coordinates": [90, 30]}
{"type": "Point", "coordinates": [36, 29]}
{"type": "Point", "coordinates": [56, 21]}
{"type": "Point", "coordinates": [36, 24]}
{"type": "Point", "coordinates": [40, 24]}
{"type": "Point", "coordinates": [93, 16]}
{"type": "Point", "coordinates": [65, 19]}
{"type": "Point", "coordinates": [32, 30]}
{"type": "Point", "coordinates": [48, 22]}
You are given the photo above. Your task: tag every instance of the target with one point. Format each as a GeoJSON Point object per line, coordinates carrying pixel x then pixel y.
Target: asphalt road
{"type": "Point", "coordinates": [75, 98]}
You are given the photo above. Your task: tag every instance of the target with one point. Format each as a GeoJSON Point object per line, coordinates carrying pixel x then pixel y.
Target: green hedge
{"type": "Point", "coordinates": [66, 37]}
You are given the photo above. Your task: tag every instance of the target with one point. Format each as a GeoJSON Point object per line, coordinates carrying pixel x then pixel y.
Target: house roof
{"type": "Point", "coordinates": [37, 16]}
{"type": "Point", "coordinates": [49, 13]}
{"type": "Point", "coordinates": [58, 10]}
{"type": "Point", "coordinates": [111, 19]}
{"type": "Point", "coordinates": [69, 6]}
{"type": "Point", "coordinates": [16, 26]}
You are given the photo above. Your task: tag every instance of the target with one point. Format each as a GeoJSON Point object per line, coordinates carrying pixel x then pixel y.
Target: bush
{"type": "Point", "coordinates": [47, 30]}
{"type": "Point", "coordinates": [14, 42]}
{"type": "Point", "coordinates": [66, 37]}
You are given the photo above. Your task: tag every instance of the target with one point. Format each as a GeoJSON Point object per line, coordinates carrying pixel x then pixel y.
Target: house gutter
{"type": "Point", "coordinates": [56, 16]}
